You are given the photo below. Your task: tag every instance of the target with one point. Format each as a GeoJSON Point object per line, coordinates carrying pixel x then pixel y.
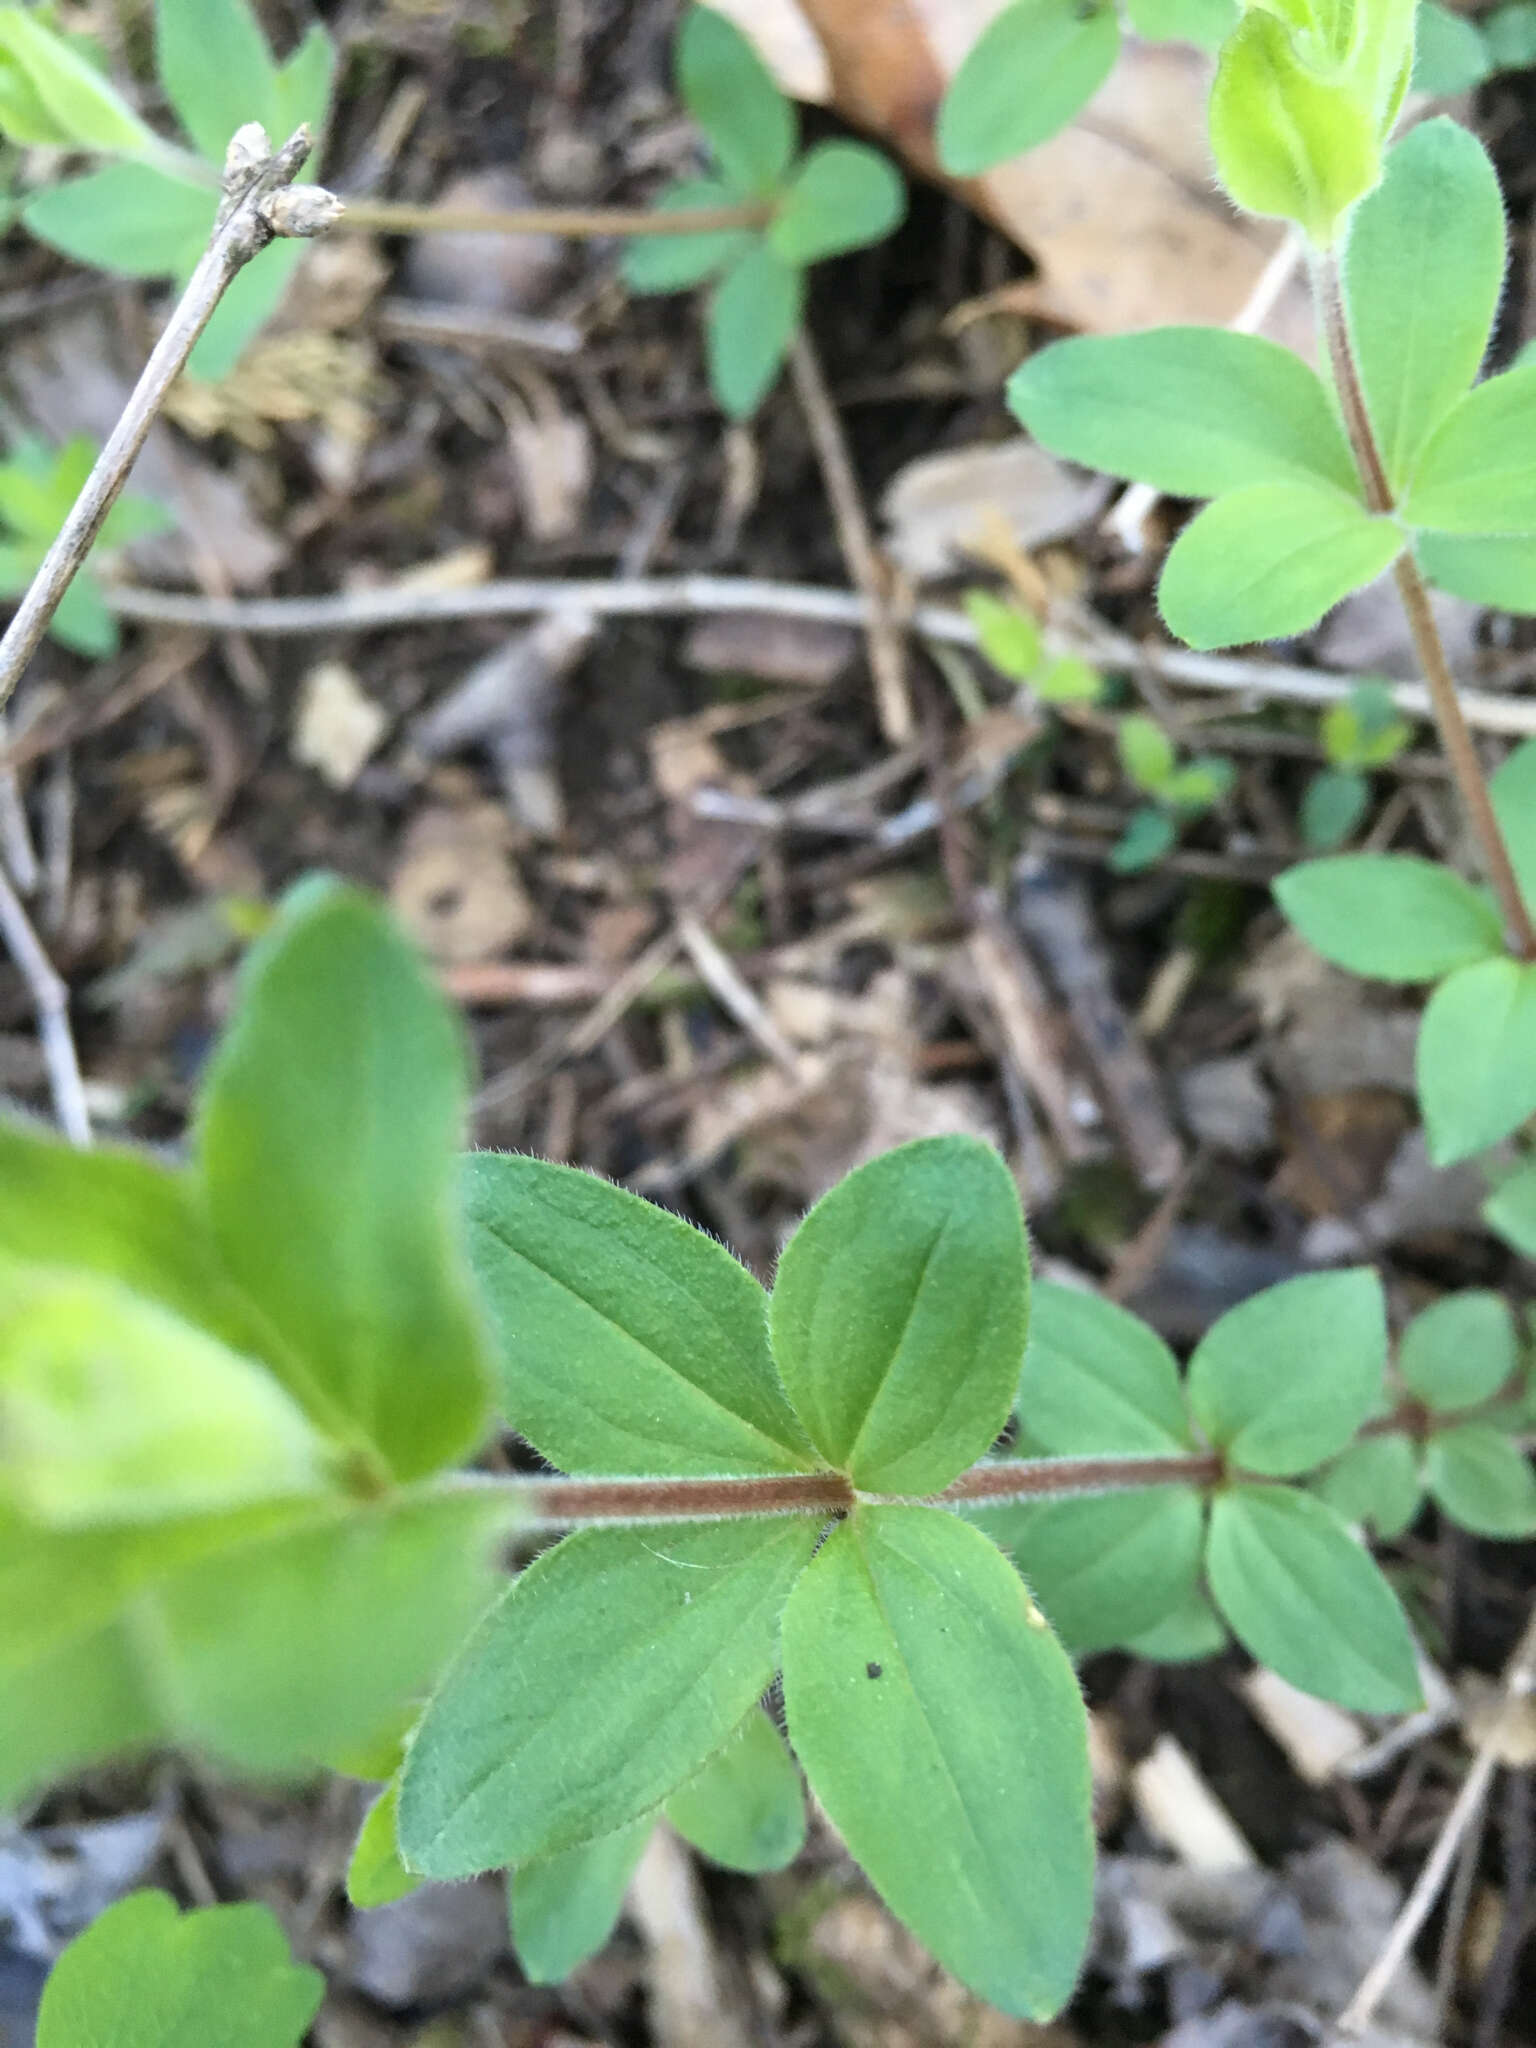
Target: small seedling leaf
{"type": "Point", "coordinates": [1376, 1481]}
{"type": "Point", "coordinates": [326, 1144]}
{"type": "Point", "coordinates": [1264, 563]}
{"type": "Point", "coordinates": [843, 195]}
{"type": "Point", "coordinates": [1391, 916]}
{"type": "Point", "coordinates": [753, 313]}
{"type": "Point", "coordinates": [1146, 752]}
{"type": "Point", "coordinates": [1477, 471]}
{"type": "Point", "coordinates": [1105, 1570]}
{"type": "Point", "coordinates": [375, 1874]}
{"type": "Point", "coordinates": [899, 1314]}
{"type": "Point", "coordinates": [730, 92]}
{"type": "Point", "coordinates": [1423, 266]}
{"type": "Point", "coordinates": [1096, 1378]}
{"type": "Point", "coordinates": [1149, 835]}
{"type": "Point", "coordinates": [144, 1975]}
{"type": "Point", "coordinates": [1476, 1063]}
{"type": "Point", "coordinates": [1303, 1597]}
{"type": "Point", "coordinates": [1285, 1379]}
{"type": "Point", "coordinates": [1365, 730]}
{"type": "Point", "coordinates": [610, 1671]}
{"type": "Point", "coordinates": [1193, 411]}
{"type": "Point", "coordinates": [1008, 635]}
{"type": "Point", "coordinates": [1067, 679]}
{"type": "Point", "coordinates": [1461, 1351]}
{"type": "Point", "coordinates": [626, 1340]}
{"type": "Point", "coordinates": [217, 71]}
{"type": "Point", "coordinates": [1332, 807]}
{"type": "Point", "coordinates": [563, 1907]}
{"type": "Point", "coordinates": [746, 1808]}
{"type": "Point", "coordinates": [1482, 1479]}
{"type": "Point", "coordinates": [1030, 71]}
{"type": "Point", "coordinates": [676, 263]}
{"type": "Point", "coordinates": [1199, 784]}
{"type": "Point", "coordinates": [1492, 569]}
{"type": "Point", "coordinates": [941, 1726]}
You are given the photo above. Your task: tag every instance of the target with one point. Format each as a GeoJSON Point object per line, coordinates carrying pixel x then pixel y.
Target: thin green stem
{"type": "Point", "coordinates": [1455, 736]}
{"type": "Point", "coordinates": [387, 217]}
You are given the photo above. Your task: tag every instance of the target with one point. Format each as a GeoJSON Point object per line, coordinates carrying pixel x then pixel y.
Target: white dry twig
{"type": "Point", "coordinates": [51, 999]}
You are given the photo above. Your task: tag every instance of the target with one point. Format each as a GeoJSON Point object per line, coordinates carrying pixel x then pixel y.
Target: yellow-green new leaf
{"type": "Point", "coordinates": [940, 1725]}
{"type": "Point", "coordinates": [746, 1808]}
{"type": "Point", "coordinates": [1285, 1379]}
{"type": "Point", "coordinates": [46, 84]}
{"type": "Point", "coordinates": [145, 1975]}
{"type": "Point", "coordinates": [899, 1314]}
{"type": "Point", "coordinates": [1423, 266]}
{"type": "Point", "coordinates": [1304, 1598]}
{"type": "Point", "coordinates": [563, 1907]}
{"type": "Point", "coordinates": [1391, 916]}
{"type": "Point", "coordinates": [1477, 471]}
{"type": "Point", "coordinates": [1194, 411]}
{"type": "Point", "coordinates": [611, 1670]}
{"type": "Point", "coordinates": [626, 1340]}
{"type": "Point", "coordinates": [327, 1140]}
{"type": "Point", "coordinates": [1476, 1061]}
{"type": "Point", "coordinates": [375, 1874]}
{"type": "Point", "coordinates": [1264, 563]}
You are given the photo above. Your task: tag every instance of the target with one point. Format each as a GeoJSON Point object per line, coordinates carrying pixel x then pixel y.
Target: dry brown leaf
{"type": "Point", "coordinates": [338, 723]}
{"type": "Point", "coordinates": [1120, 210]}
{"type": "Point", "coordinates": [455, 889]}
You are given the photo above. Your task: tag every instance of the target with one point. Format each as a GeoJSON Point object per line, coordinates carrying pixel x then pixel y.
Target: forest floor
{"type": "Point", "coordinates": [720, 935]}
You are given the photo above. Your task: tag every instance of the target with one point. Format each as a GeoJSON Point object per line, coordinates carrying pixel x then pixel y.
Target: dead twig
{"type": "Point", "coordinates": [366, 611]}
{"type": "Point", "coordinates": [51, 999]}
{"type": "Point", "coordinates": [887, 657]}
{"type": "Point", "coordinates": [260, 201]}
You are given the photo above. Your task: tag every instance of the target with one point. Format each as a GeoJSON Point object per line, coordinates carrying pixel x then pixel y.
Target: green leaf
{"type": "Point", "coordinates": [563, 1907]}
{"type": "Point", "coordinates": [1476, 1065]}
{"type": "Point", "coordinates": [899, 1314]}
{"type": "Point", "coordinates": [1096, 1378]}
{"type": "Point", "coordinates": [1107, 1569]}
{"type": "Point", "coordinates": [676, 263]}
{"type": "Point", "coordinates": [1513, 790]}
{"type": "Point", "coordinates": [1365, 730]}
{"type": "Point", "coordinates": [81, 620]}
{"type": "Point", "coordinates": [1332, 806]}
{"type": "Point", "coordinates": [1423, 267]}
{"type": "Point", "coordinates": [1191, 1633]}
{"type": "Point", "coordinates": [1304, 1598]}
{"type": "Point", "coordinates": [1191, 410]}
{"type": "Point", "coordinates": [113, 1409]}
{"type": "Point", "coordinates": [1285, 1379]}
{"type": "Point", "coordinates": [81, 1702]}
{"type": "Point", "coordinates": [1491, 569]}
{"type": "Point", "coordinates": [280, 1652]}
{"type": "Point", "coordinates": [1008, 635]}
{"type": "Point", "coordinates": [1198, 784]}
{"type": "Point", "coordinates": [1031, 70]}
{"type": "Point", "coordinates": [1146, 752]}
{"type": "Point", "coordinates": [1481, 1479]}
{"type": "Point", "coordinates": [326, 1142]}
{"type": "Point", "coordinates": [731, 93]}
{"type": "Point", "coordinates": [1461, 1351]}
{"type": "Point", "coordinates": [1511, 1210]}
{"type": "Point", "coordinates": [746, 1808]}
{"type": "Point", "coordinates": [612, 1669]}
{"type": "Point", "coordinates": [1149, 835]}
{"type": "Point", "coordinates": [1510, 35]}
{"type": "Point", "coordinates": [1391, 916]}
{"type": "Point", "coordinates": [1067, 679]}
{"type": "Point", "coordinates": [753, 313]}
{"type": "Point", "coordinates": [1477, 471]}
{"type": "Point", "coordinates": [941, 1727]}
{"type": "Point", "coordinates": [217, 71]}
{"type": "Point", "coordinates": [375, 1874]}
{"type": "Point", "coordinates": [1265, 563]}
{"type": "Point", "coordinates": [1206, 23]}
{"type": "Point", "coordinates": [303, 88]}
{"type": "Point", "coordinates": [252, 298]}
{"type": "Point", "coordinates": [843, 195]}
{"type": "Point", "coordinates": [46, 81]}
{"type": "Point", "coordinates": [627, 1341]}
{"type": "Point", "coordinates": [133, 220]}
{"type": "Point", "coordinates": [144, 1975]}
{"type": "Point", "coordinates": [1288, 142]}
{"type": "Point", "coordinates": [1450, 53]}
{"type": "Point", "coordinates": [1376, 1481]}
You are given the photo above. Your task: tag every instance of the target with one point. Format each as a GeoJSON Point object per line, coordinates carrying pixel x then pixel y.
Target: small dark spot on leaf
{"type": "Point", "coordinates": [872, 1670]}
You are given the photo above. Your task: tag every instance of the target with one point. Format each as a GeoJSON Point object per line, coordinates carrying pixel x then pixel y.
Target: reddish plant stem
{"type": "Point", "coordinates": [1455, 737]}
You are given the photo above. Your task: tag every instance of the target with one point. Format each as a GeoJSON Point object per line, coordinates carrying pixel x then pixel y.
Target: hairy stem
{"type": "Point", "coordinates": [387, 217]}
{"type": "Point", "coordinates": [1455, 738]}
{"type": "Point", "coordinates": [259, 202]}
